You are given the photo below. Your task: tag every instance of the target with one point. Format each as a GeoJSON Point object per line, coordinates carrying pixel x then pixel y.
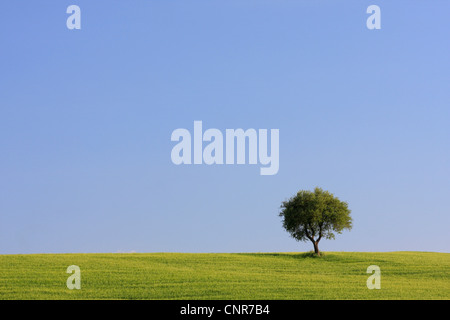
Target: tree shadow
{"type": "Point", "coordinates": [297, 256]}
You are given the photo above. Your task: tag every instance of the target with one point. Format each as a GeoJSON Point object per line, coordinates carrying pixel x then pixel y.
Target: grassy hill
{"type": "Point", "coordinates": [337, 275]}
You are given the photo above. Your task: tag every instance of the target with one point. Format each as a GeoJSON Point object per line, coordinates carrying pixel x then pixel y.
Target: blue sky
{"type": "Point", "coordinates": [86, 118]}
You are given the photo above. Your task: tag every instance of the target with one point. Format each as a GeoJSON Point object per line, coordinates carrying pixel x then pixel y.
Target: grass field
{"type": "Point", "coordinates": [337, 275]}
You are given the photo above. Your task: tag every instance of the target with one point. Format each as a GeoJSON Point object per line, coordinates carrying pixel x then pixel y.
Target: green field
{"type": "Point", "coordinates": [336, 275]}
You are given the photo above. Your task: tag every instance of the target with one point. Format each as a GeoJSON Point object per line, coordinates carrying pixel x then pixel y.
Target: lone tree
{"type": "Point", "coordinates": [315, 215]}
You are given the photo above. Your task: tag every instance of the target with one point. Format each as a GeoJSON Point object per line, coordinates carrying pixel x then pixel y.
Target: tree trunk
{"type": "Point", "coordinates": [316, 247]}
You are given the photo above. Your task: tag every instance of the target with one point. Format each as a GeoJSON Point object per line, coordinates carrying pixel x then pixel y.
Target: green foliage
{"type": "Point", "coordinates": [315, 215]}
{"type": "Point", "coordinates": [244, 276]}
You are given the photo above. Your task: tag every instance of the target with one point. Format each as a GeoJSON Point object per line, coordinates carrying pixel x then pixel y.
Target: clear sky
{"type": "Point", "coordinates": [86, 118]}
